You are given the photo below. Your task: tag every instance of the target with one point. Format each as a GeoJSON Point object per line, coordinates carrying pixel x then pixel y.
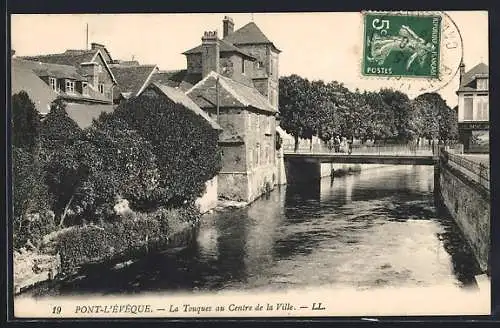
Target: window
{"type": "Point", "coordinates": [482, 108]}
{"type": "Point", "coordinates": [468, 108]}
{"type": "Point", "coordinates": [271, 69]}
{"type": "Point", "coordinates": [101, 88]}
{"type": "Point", "coordinates": [70, 86]}
{"type": "Point", "coordinates": [85, 89]}
{"type": "Point", "coordinates": [242, 66]}
{"type": "Point", "coordinates": [259, 64]}
{"type": "Point", "coordinates": [53, 83]}
{"type": "Point", "coordinates": [99, 68]}
{"type": "Point", "coordinates": [257, 161]}
{"type": "Point", "coordinates": [482, 84]}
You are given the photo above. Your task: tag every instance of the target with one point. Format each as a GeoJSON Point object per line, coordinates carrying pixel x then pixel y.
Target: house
{"type": "Point", "coordinates": [473, 108]}
{"type": "Point", "coordinates": [170, 96]}
{"type": "Point", "coordinates": [82, 78]}
{"type": "Point", "coordinates": [131, 79]}
{"type": "Point", "coordinates": [24, 79]}
{"type": "Point", "coordinates": [237, 85]}
{"type": "Point", "coordinates": [92, 81]}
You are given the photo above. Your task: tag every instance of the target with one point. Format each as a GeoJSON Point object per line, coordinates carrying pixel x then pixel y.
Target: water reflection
{"type": "Point", "coordinates": [381, 227]}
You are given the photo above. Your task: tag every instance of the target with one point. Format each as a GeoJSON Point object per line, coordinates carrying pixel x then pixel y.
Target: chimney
{"type": "Point", "coordinates": [210, 53]}
{"type": "Point", "coordinates": [90, 71]}
{"type": "Point", "coordinates": [462, 71]}
{"type": "Point", "coordinates": [228, 26]}
{"type": "Point", "coordinates": [95, 46]}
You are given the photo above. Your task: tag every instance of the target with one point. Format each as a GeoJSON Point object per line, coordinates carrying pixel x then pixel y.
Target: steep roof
{"type": "Point", "coordinates": [83, 114]}
{"type": "Point", "coordinates": [224, 46]}
{"type": "Point", "coordinates": [61, 71]}
{"type": "Point", "coordinates": [132, 78]}
{"type": "Point", "coordinates": [177, 79]}
{"type": "Point", "coordinates": [54, 70]}
{"type": "Point", "coordinates": [72, 58]}
{"type": "Point", "coordinates": [40, 93]}
{"type": "Point", "coordinates": [69, 57]}
{"type": "Point", "coordinates": [181, 98]}
{"type": "Point", "coordinates": [248, 34]}
{"type": "Point", "coordinates": [468, 78]}
{"type": "Point", "coordinates": [231, 94]}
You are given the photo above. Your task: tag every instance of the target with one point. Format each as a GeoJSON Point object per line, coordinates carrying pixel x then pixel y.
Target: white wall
{"type": "Point", "coordinates": [475, 106]}
{"type": "Point", "coordinates": [209, 199]}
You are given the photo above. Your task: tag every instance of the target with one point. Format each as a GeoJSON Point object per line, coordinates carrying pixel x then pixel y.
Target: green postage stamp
{"type": "Point", "coordinates": [401, 45]}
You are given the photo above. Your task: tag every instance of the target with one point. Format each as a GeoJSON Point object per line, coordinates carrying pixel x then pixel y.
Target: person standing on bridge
{"type": "Point", "coordinates": [336, 143]}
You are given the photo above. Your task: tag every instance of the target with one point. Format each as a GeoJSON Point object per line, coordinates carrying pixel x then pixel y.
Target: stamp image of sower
{"type": "Point", "coordinates": [402, 45]}
{"type": "Point", "coordinates": [418, 51]}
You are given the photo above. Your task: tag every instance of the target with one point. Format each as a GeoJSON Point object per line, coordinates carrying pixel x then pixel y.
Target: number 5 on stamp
{"type": "Point", "coordinates": [401, 45]}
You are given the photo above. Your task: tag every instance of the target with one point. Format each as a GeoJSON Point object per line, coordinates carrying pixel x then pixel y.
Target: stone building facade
{"type": "Point", "coordinates": [238, 87]}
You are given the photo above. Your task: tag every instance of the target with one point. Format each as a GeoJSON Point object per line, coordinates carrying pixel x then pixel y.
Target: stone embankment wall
{"type": "Point", "coordinates": [469, 204]}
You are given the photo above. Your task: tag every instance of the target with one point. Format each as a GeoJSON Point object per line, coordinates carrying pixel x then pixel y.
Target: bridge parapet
{"type": "Point", "coordinates": [392, 150]}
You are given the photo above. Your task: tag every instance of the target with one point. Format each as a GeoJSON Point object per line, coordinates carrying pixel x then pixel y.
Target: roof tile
{"type": "Point", "coordinates": [231, 94]}
{"type": "Point", "coordinates": [248, 34]}
{"type": "Point", "coordinates": [181, 98]}
{"type": "Point", "coordinates": [224, 46]}
{"type": "Point", "coordinates": [132, 78]}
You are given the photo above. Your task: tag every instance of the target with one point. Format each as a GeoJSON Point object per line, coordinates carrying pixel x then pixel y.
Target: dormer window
{"type": "Point", "coordinates": [70, 86]}
{"type": "Point", "coordinates": [482, 84]}
{"type": "Point", "coordinates": [53, 83]}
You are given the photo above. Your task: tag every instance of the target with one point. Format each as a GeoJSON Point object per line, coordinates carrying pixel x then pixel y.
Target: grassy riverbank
{"type": "Point", "coordinates": [65, 251]}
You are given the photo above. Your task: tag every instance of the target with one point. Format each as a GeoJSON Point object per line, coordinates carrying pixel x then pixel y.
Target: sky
{"type": "Point", "coordinates": [325, 46]}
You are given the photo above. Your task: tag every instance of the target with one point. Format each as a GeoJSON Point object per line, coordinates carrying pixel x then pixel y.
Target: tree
{"type": "Point", "coordinates": [437, 119]}
{"type": "Point", "coordinates": [25, 121]}
{"type": "Point", "coordinates": [120, 163]}
{"type": "Point", "coordinates": [380, 117]}
{"type": "Point", "coordinates": [62, 158]}
{"type": "Point", "coordinates": [29, 197]}
{"type": "Point", "coordinates": [185, 145]}
{"type": "Point", "coordinates": [403, 113]}
{"type": "Point", "coordinates": [296, 113]}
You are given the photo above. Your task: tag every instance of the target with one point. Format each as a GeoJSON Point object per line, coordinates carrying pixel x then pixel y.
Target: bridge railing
{"type": "Point", "coordinates": [478, 171]}
{"type": "Point", "coordinates": [393, 150]}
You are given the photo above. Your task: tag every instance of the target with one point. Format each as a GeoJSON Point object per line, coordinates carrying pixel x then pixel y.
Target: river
{"type": "Point", "coordinates": [381, 227]}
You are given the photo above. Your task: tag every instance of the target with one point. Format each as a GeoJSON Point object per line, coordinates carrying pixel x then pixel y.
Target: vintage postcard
{"type": "Point", "coordinates": [250, 165]}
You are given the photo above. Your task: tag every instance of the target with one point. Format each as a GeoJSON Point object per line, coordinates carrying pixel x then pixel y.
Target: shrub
{"type": "Point", "coordinates": [31, 216]}
{"type": "Point", "coordinates": [90, 243]}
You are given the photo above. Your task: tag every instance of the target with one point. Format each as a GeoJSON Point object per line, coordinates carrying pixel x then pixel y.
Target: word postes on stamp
{"type": "Point", "coordinates": [402, 45]}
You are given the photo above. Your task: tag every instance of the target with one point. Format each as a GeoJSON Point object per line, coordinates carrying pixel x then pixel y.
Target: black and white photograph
{"type": "Point", "coordinates": [206, 165]}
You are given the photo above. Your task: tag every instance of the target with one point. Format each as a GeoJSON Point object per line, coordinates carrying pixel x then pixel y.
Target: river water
{"type": "Point", "coordinates": [379, 228]}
